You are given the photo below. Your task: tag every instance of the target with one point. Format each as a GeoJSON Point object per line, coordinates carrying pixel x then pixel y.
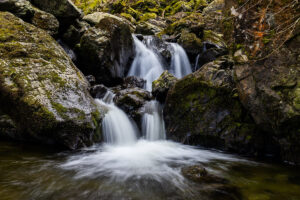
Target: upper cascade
{"type": "Point", "coordinates": [145, 64]}
{"type": "Point", "coordinates": [180, 64]}
{"type": "Point", "coordinates": [149, 64]}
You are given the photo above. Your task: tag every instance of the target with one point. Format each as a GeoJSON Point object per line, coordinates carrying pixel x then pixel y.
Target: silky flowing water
{"type": "Point", "coordinates": [37, 172]}
{"type": "Point", "coordinates": [139, 164]}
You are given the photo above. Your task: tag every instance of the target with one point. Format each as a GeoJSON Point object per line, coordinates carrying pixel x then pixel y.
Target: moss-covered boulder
{"type": "Point", "coordinates": [147, 28]}
{"type": "Point", "coordinates": [105, 51]}
{"type": "Point", "coordinates": [203, 108]}
{"type": "Point", "coordinates": [41, 89]}
{"type": "Point", "coordinates": [161, 86]}
{"type": "Point", "coordinates": [45, 21]}
{"type": "Point", "coordinates": [74, 32]}
{"type": "Point", "coordinates": [64, 10]}
{"type": "Point", "coordinates": [190, 42]}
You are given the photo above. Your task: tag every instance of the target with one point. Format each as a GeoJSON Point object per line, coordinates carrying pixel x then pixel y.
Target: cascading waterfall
{"type": "Point", "coordinates": [152, 123]}
{"type": "Point", "coordinates": [117, 128]}
{"type": "Point", "coordinates": [146, 64]}
{"type": "Point", "coordinates": [180, 64]}
{"type": "Point", "coordinates": [123, 157]}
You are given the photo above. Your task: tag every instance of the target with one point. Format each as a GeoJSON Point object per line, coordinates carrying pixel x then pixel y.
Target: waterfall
{"type": "Point", "coordinates": [117, 128]}
{"type": "Point", "coordinates": [180, 64]}
{"type": "Point", "coordinates": [152, 122]}
{"type": "Point", "coordinates": [146, 64]}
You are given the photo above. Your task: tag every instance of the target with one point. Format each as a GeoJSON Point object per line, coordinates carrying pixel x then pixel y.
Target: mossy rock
{"type": "Point", "coordinates": [105, 50]}
{"type": "Point", "coordinates": [202, 109]}
{"type": "Point", "coordinates": [41, 89]}
{"type": "Point", "coordinates": [161, 86]}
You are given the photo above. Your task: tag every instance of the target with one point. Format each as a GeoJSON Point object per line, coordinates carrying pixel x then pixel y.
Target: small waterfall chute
{"type": "Point", "coordinates": [146, 64]}
{"type": "Point", "coordinates": [180, 64]}
{"type": "Point", "coordinates": [153, 126]}
{"type": "Point", "coordinates": [117, 127]}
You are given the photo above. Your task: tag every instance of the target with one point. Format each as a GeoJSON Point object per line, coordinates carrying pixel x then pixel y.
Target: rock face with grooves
{"type": "Point", "coordinates": [105, 51]}
{"type": "Point", "coordinates": [41, 89]}
{"type": "Point", "coordinates": [203, 108]}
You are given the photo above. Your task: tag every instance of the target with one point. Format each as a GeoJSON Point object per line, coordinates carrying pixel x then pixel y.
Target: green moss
{"type": "Point", "coordinates": [147, 16]}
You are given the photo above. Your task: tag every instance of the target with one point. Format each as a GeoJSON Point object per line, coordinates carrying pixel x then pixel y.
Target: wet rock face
{"type": "Point", "coordinates": [203, 108]}
{"type": "Point", "coordinates": [133, 81]}
{"type": "Point", "coordinates": [131, 101]}
{"type": "Point", "coordinates": [106, 50]}
{"type": "Point", "coordinates": [161, 86]}
{"type": "Point", "coordinates": [64, 10]}
{"type": "Point", "coordinates": [270, 91]}
{"type": "Point", "coordinates": [41, 89]}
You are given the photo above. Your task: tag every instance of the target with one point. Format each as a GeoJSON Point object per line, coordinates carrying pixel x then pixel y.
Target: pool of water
{"type": "Point", "coordinates": [146, 170]}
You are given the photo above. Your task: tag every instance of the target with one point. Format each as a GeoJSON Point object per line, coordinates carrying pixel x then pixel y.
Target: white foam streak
{"type": "Point", "coordinates": [146, 64]}
{"type": "Point", "coordinates": [180, 64]}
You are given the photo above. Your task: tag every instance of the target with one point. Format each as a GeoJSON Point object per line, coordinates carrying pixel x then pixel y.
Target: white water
{"type": "Point", "coordinates": [116, 126]}
{"type": "Point", "coordinates": [180, 64]}
{"type": "Point", "coordinates": [122, 156]}
{"type": "Point", "coordinates": [153, 126]}
{"type": "Point", "coordinates": [146, 64]}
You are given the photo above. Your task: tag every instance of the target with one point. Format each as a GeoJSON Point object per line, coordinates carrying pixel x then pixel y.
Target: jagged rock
{"type": "Point", "coordinates": [96, 17]}
{"type": "Point", "coordinates": [131, 101]}
{"type": "Point", "coordinates": [270, 90]}
{"type": "Point", "coordinates": [203, 109]}
{"type": "Point", "coordinates": [64, 10]}
{"type": "Point", "coordinates": [74, 32]}
{"type": "Point", "coordinates": [190, 42]}
{"type": "Point", "coordinates": [133, 81]}
{"type": "Point", "coordinates": [45, 21]}
{"type": "Point", "coordinates": [146, 28]}
{"type": "Point", "coordinates": [24, 10]}
{"type": "Point", "coordinates": [161, 86]}
{"type": "Point", "coordinates": [98, 91]}
{"type": "Point", "coordinates": [41, 89]}
{"type": "Point", "coordinates": [105, 51]}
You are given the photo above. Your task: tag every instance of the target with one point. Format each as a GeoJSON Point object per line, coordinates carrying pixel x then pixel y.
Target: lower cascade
{"type": "Point", "coordinates": [117, 128]}
{"type": "Point", "coordinates": [153, 126]}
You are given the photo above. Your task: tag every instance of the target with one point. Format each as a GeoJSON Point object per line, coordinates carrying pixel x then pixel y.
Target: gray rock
{"type": "Point", "coordinates": [42, 90]}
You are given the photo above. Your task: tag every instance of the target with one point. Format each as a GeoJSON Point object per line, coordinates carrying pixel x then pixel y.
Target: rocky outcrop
{"type": "Point", "coordinates": [24, 10]}
{"type": "Point", "coordinates": [203, 108]}
{"type": "Point", "coordinates": [270, 90]}
{"type": "Point", "coordinates": [105, 51]}
{"type": "Point", "coordinates": [131, 101]}
{"type": "Point", "coordinates": [41, 89]}
{"type": "Point", "coordinates": [8, 128]}
{"type": "Point", "coordinates": [64, 10]}
{"type": "Point", "coordinates": [161, 86]}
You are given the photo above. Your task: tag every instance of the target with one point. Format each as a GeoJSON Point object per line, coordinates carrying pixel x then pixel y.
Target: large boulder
{"type": "Point", "coordinates": [270, 90]}
{"type": "Point", "coordinates": [41, 89]}
{"type": "Point", "coordinates": [105, 51]}
{"type": "Point", "coordinates": [203, 109]}
{"type": "Point", "coordinates": [64, 10]}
